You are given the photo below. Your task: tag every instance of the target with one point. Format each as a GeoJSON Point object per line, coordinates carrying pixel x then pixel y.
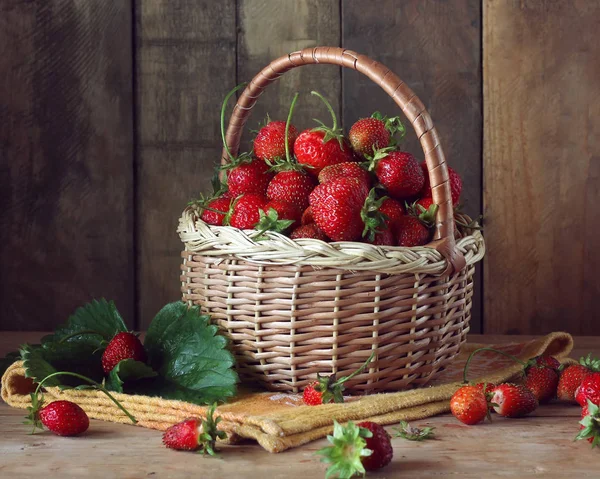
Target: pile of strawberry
{"type": "Point", "coordinates": [543, 380]}
{"type": "Point", "coordinates": [324, 185]}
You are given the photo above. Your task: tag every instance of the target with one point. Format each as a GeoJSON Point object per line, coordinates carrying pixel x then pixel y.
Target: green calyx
{"type": "Point", "coordinates": [372, 218]}
{"type": "Point", "coordinates": [210, 432]}
{"type": "Point", "coordinates": [406, 431]}
{"type": "Point", "coordinates": [333, 133]}
{"type": "Point", "coordinates": [348, 447]}
{"type": "Point", "coordinates": [378, 154]}
{"type": "Point", "coordinates": [37, 397]}
{"type": "Point", "coordinates": [591, 425]}
{"type": "Point", "coordinates": [332, 389]}
{"type": "Point", "coordinates": [394, 125]}
{"type": "Point", "coordinates": [270, 221]}
{"type": "Point", "coordinates": [228, 214]}
{"type": "Point", "coordinates": [427, 216]}
{"type": "Point", "coordinates": [591, 363]}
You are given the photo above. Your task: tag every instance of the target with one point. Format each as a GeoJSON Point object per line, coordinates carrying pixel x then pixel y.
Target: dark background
{"type": "Point", "coordinates": [109, 125]}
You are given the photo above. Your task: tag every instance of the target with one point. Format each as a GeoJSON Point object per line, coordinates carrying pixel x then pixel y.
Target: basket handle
{"type": "Point", "coordinates": [404, 97]}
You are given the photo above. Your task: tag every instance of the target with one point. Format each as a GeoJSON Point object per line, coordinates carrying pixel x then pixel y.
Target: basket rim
{"type": "Point", "coordinates": [271, 248]}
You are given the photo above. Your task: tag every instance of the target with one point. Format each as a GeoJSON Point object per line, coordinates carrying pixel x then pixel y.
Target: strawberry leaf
{"type": "Point", "coordinates": [191, 359]}
{"type": "Point", "coordinates": [7, 361]}
{"type": "Point", "coordinates": [127, 370]}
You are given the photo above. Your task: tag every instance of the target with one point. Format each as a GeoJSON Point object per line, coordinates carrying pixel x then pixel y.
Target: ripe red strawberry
{"type": "Point", "coordinates": [322, 146]}
{"type": "Point", "coordinates": [410, 231]}
{"type": "Point", "coordinates": [455, 184]}
{"type": "Point", "coordinates": [311, 396]}
{"type": "Point", "coordinates": [547, 361]}
{"type": "Point", "coordinates": [211, 216]}
{"type": "Point", "coordinates": [285, 211]}
{"type": "Point", "coordinates": [336, 207]}
{"type": "Point", "coordinates": [269, 143]}
{"type": "Point", "coordinates": [542, 382]}
{"type": "Point", "coordinates": [513, 400]}
{"type": "Point", "coordinates": [393, 210]}
{"type": "Point", "coordinates": [310, 230]}
{"type": "Point", "coordinates": [245, 211]}
{"type": "Point", "coordinates": [307, 216]}
{"type": "Point", "coordinates": [356, 448]}
{"type": "Point", "coordinates": [253, 177]}
{"type": "Point", "coordinates": [423, 204]}
{"type": "Point", "coordinates": [572, 376]}
{"type": "Point", "coordinates": [64, 418]}
{"type": "Point", "coordinates": [589, 390]}
{"type": "Point", "coordinates": [398, 172]}
{"type": "Point", "coordinates": [194, 433]}
{"type": "Point", "coordinates": [590, 424]}
{"type": "Point", "coordinates": [469, 405]}
{"type": "Point", "coordinates": [292, 187]}
{"type": "Point", "coordinates": [489, 387]}
{"type": "Point", "coordinates": [383, 237]}
{"type": "Point", "coordinates": [122, 346]}
{"type": "Point", "coordinates": [349, 169]}
{"type": "Point", "coordinates": [380, 444]}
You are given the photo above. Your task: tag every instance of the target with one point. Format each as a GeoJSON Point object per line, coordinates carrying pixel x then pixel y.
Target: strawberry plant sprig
{"type": "Point", "coordinates": [37, 398]}
{"type": "Point", "coordinates": [244, 156]}
{"type": "Point", "coordinates": [406, 431]}
{"type": "Point", "coordinates": [477, 351]}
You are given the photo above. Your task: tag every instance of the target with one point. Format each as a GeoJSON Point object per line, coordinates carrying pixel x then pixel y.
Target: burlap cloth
{"type": "Point", "coordinates": [279, 421]}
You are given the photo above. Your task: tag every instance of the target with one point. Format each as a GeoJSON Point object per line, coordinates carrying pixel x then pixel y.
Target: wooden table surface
{"type": "Point", "coordinates": [539, 445]}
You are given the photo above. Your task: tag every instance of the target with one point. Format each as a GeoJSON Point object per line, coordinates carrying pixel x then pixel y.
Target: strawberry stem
{"type": "Point", "coordinates": [223, 108]}
{"type": "Point", "coordinates": [477, 351]}
{"type": "Point", "coordinates": [88, 380]}
{"type": "Point", "coordinates": [287, 127]}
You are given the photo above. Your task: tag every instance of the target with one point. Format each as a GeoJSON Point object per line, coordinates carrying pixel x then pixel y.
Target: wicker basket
{"type": "Point", "coordinates": [293, 309]}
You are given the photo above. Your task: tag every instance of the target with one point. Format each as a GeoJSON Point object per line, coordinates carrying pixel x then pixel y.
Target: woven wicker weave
{"type": "Point", "coordinates": [293, 309]}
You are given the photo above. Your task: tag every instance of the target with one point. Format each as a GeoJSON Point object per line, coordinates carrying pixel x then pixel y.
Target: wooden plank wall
{"type": "Point", "coordinates": [109, 113]}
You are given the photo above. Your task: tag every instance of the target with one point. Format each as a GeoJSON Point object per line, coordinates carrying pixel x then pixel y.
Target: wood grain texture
{"type": "Point", "coordinates": [434, 47]}
{"type": "Point", "coordinates": [185, 65]}
{"type": "Point", "coordinates": [269, 29]}
{"type": "Point", "coordinates": [66, 135]}
{"type": "Point", "coordinates": [542, 166]}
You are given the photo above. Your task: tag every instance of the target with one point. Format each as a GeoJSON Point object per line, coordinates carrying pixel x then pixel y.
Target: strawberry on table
{"type": "Point", "coordinates": [455, 184]}
{"type": "Point", "coordinates": [542, 381]}
{"type": "Point", "coordinates": [269, 144]}
{"type": "Point", "coordinates": [469, 405]}
{"type": "Point", "coordinates": [513, 400]}
{"type": "Point", "coordinates": [374, 133]}
{"type": "Point", "coordinates": [572, 376]}
{"type": "Point", "coordinates": [356, 448]}
{"type": "Point", "coordinates": [245, 211]}
{"type": "Point", "coordinates": [398, 172]}
{"type": "Point", "coordinates": [322, 146]}
{"type": "Point", "coordinates": [310, 230]}
{"type": "Point", "coordinates": [195, 434]}
{"type": "Point", "coordinates": [122, 346]}
{"type": "Point", "coordinates": [590, 424]}
{"type": "Point", "coordinates": [64, 418]}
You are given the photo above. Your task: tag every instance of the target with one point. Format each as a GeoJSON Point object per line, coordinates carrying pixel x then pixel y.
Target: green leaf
{"type": "Point", "coordinates": [127, 370]}
{"type": "Point", "coordinates": [7, 361]}
{"type": "Point", "coordinates": [191, 359]}
{"type": "Point", "coordinates": [36, 367]}
{"type": "Point", "coordinates": [100, 316]}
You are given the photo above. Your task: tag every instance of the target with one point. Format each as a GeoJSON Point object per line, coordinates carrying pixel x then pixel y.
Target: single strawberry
{"type": "Point", "coordinates": [590, 424]}
{"type": "Point", "coordinates": [547, 361]}
{"type": "Point", "coordinates": [589, 389]}
{"type": "Point", "coordinates": [469, 405]}
{"type": "Point", "coordinates": [245, 211]}
{"type": "Point", "coordinates": [542, 381]}
{"type": "Point", "coordinates": [353, 446]}
{"type": "Point", "coordinates": [410, 231]}
{"type": "Point", "coordinates": [251, 176]}
{"type": "Point", "coordinates": [292, 187]}
{"type": "Point", "coordinates": [277, 216]}
{"type": "Point", "coordinates": [64, 418]}
{"type": "Point", "coordinates": [195, 434]}
{"type": "Point", "coordinates": [122, 346]}
{"type": "Point", "coordinates": [269, 144]}
{"type": "Point", "coordinates": [513, 400]}
{"type": "Point", "coordinates": [398, 172]}
{"type": "Point", "coordinates": [383, 237]}
{"type": "Point", "coordinates": [285, 211]}
{"type": "Point", "coordinates": [322, 146]}
{"type": "Point", "coordinates": [349, 169]}
{"type": "Point", "coordinates": [307, 217]}
{"type": "Point", "coordinates": [572, 376]}
{"type": "Point", "coordinates": [380, 444]}
{"type": "Point", "coordinates": [374, 133]}
{"type": "Point", "coordinates": [393, 211]}
{"type": "Point", "coordinates": [215, 210]}
{"type": "Point", "coordinates": [423, 204]}
{"type": "Point", "coordinates": [328, 389]}
{"type": "Point", "coordinates": [310, 230]}
{"type": "Point", "coordinates": [455, 184]}
{"type": "Point", "coordinates": [336, 207]}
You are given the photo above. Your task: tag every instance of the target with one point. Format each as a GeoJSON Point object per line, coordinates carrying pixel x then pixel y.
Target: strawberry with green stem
{"type": "Point", "coordinates": [373, 133]}
{"type": "Point", "coordinates": [328, 389]}
{"type": "Point", "coordinates": [470, 405]}
{"type": "Point", "coordinates": [195, 434]}
{"type": "Point", "coordinates": [36, 416]}
{"type": "Point", "coordinates": [590, 424]}
{"type": "Point", "coordinates": [572, 376]}
{"type": "Point", "coordinates": [322, 146]}
{"type": "Point", "coordinates": [397, 171]}
{"type": "Point", "coordinates": [124, 345]}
